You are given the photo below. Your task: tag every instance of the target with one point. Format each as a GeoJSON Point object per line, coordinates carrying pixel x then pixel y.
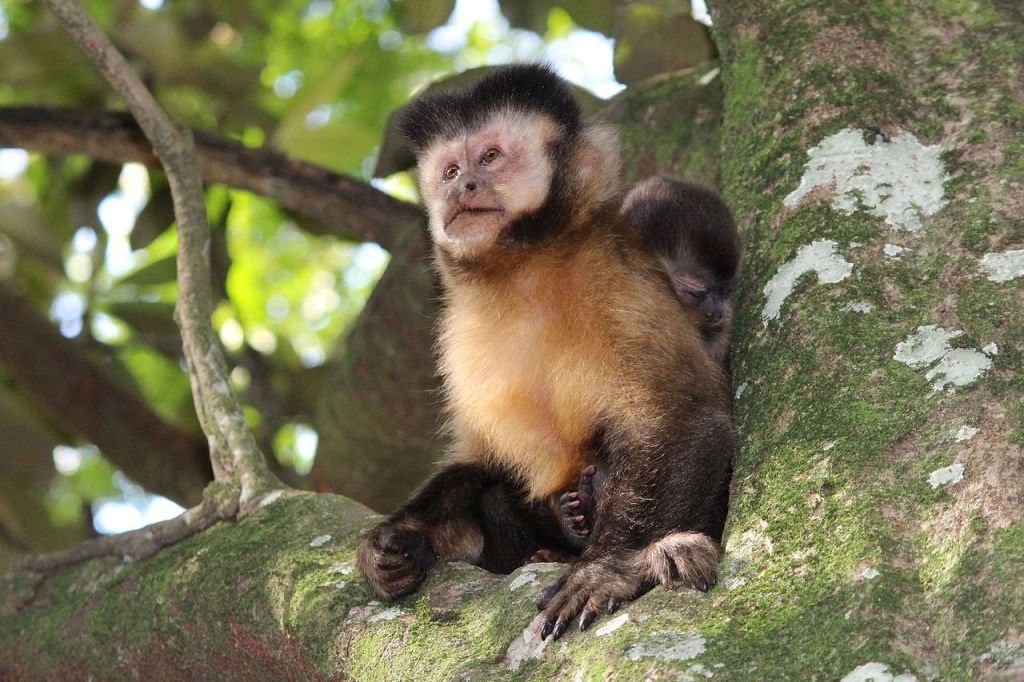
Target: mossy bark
{"type": "Point", "coordinates": [842, 556]}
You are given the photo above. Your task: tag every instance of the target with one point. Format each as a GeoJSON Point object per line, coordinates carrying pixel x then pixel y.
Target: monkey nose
{"type": "Point", "coordinates": [470, 186]}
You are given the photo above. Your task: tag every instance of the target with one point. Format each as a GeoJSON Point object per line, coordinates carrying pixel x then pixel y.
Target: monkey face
{"type": "Point", "coordinates": [478, 182]}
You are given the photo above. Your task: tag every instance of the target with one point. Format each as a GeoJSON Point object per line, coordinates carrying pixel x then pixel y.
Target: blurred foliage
{"type": "Point", "coordinates": [92, 244]}
{"type": "Point", "coordinates": [655, 37]}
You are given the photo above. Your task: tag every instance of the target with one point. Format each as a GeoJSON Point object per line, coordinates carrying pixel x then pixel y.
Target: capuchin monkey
{"type": "Point", "coordinates": [565, 353]}
{"type": "Point", "coordinates": [693, 232]}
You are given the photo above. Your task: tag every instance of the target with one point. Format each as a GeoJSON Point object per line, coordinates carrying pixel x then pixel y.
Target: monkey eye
{"type": "Point", "coordinates": [489, 156]}
{"type": "Point", "coordinates": [451, 172]}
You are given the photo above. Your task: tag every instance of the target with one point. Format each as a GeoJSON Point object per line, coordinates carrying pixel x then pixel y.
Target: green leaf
{"type": "Point", "coordinates": [162, 271]}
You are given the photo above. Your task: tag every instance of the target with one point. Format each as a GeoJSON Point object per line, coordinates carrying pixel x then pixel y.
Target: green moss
{"type": "Point", "coordinates": [686, 115]}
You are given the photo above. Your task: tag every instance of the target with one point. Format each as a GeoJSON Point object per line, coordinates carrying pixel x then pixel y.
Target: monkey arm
{"type": "Point", "coordinates": [438, 522]}
{"type": "Point", "coordinates": [658, 518]}
{"type": "Point", "coordinates": [467, 511]}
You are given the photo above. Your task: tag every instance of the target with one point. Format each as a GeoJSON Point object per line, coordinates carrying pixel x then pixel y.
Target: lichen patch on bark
{"type": "Point", "coordinates": [1003, 267]}
{"type": "Point", "coordinates": [900, 180]}
{"type": "Point", "coordinates": [819, 257]}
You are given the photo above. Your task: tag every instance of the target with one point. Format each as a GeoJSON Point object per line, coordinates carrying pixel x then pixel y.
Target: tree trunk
{"type": "Point", "coordinates": [872, 155]}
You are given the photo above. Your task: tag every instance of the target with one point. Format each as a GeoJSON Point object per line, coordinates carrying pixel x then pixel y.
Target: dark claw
{"type": "Point", "coordinates": [586, 619]}
{"type": "Point", "coordinates": [546, 628]}
{"type": "Point", "coordinates": [560, 626]}
{"type": "Point", "coordinates": [613, 604]}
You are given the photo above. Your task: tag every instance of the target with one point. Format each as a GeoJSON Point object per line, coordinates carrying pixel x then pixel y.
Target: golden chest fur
{"type": "Point", "coordinates": [532, 366]}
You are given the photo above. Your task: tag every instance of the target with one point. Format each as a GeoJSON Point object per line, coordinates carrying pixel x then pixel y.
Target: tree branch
{"type": "Point", "coordinates": [143, 543]}
{"type": "Point", "coordinates": [233, 450]}
{"type": "Point", "coordinates": [62, 378]}
{"type": "Point", "coordinates": [331, 202]}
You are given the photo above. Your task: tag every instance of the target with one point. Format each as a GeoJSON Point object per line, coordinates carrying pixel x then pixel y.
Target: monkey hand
{"type": "Point", "coordinates": [394, 560]}
{"type": "Point", "coordinates": [606, 580]}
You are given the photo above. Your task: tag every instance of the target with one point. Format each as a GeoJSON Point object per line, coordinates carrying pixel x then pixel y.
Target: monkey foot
{"type": "Point", "coordinates": [579, 507]}
{"type": "Point", "coordinates": [690, 557]}
{"type": "Point", "coordinates": [604, 583]}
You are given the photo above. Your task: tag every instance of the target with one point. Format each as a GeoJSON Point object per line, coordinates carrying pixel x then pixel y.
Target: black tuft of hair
{"type": "Point", "coordinates": [517, 87]}
{"type": "Point", "coordinates": [693, 224]}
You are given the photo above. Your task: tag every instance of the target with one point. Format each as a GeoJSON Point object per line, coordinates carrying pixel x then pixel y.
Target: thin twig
{"type": "Point", "coordinates": [139, 544]}
{"type": "Point", "coordinates": [233, 450]}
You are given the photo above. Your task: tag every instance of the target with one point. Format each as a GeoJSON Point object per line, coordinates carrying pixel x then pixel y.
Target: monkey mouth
{"type": "Point", "coordinates": [472, 210]}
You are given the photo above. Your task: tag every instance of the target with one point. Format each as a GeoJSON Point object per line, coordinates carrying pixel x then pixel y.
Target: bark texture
{"type": "Point", "coordinates": [876, 526]}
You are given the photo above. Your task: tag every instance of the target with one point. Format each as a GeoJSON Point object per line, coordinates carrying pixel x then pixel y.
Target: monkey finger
{"type": "Point", "coordinates": [566, 605]}
{"type": "Point", "coordinates": [400, 569]}
{"type": "Point", "coordinates": [645, 587]}
{"type": "Point", "coordinates": [590, 611]}
{"type": "Point", "coordinates": [570, 508]}
{"type": "Point", "coordinates": [550, 591]}
{"type": "Point", "coordinates": [661, 570]}
{"type": "Point", "coordinates": [694, 574]}
{"type": "Point", "coordinates": [388, 562]}
{"type": "Point", "coordinates": [546, 627]}
{"type": "Point", "coordinates": [554, 627]}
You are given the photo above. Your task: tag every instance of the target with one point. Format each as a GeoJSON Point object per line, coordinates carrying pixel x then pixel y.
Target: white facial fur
{"type": "Point", "coordinates": [599, 164]}
{"type": "Point", "coordinates": [516, 183]}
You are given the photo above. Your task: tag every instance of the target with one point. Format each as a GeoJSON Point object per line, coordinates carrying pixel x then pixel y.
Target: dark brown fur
{"type": "Point", "coordinates": [694, 234]}
{"type": "Point", "coordinates": [562, 346]}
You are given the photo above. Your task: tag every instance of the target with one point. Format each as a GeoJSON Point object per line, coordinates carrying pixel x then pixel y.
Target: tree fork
{"type": "Point", "coordinates": [238, 465]}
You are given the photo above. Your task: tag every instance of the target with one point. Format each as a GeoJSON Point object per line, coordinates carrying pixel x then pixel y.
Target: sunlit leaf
{"type": "Point", "coordinates": [164, 384]}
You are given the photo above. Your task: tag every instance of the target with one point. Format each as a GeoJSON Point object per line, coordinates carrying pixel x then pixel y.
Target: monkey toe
{"type": "Point", "coordinates": [586, 487]}
{"type": "Point", "coordinates": [545, 555]}
{"type": "Point", "coordinates": [550, 591]}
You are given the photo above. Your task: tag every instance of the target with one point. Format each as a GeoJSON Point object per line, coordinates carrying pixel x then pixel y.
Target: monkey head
{"type": "Point", "coordinates": [507, 162]}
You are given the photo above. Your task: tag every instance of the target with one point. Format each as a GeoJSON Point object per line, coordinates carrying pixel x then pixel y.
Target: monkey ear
{"type": "Point", "coordinates": [599, 164]}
